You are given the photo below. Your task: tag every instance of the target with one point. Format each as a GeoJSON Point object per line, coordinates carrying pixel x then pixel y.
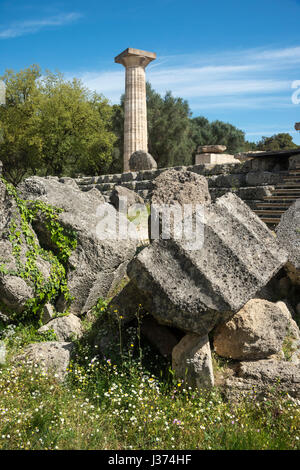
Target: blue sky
{"type": "Point", "coordinates": [232, 60]}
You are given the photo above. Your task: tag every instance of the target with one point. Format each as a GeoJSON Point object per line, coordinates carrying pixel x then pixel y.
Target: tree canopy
{"type": "Point", "coordinates": [219, 133]}
{"type": "Point", "coordinates": [169, 132]}
{"type": "Point", "coordinates": [52, 126]}
{"type": "Point", "coordinates": [173, 135]}
{"type": "Point", "coordinates": [282, 141]}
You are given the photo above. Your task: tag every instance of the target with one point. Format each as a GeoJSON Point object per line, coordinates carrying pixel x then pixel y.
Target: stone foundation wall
{"type": "Point", "coordinates": [251, 180]}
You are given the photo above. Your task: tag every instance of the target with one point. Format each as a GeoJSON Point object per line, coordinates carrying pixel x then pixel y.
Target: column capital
{"type": "Point", "coordinates": [135, 58]}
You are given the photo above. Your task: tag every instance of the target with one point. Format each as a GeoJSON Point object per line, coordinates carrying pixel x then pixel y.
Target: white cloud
{"type": "Point", "coordinates": [33, 26]}
{"type": "Point", "coordinates": [249, 79]}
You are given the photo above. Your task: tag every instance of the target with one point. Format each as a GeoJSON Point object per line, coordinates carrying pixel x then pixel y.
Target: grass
{"type": "Point", "coordinates": [123, 403]}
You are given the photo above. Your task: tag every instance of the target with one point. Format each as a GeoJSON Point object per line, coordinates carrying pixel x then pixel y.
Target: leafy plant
{"type": "Point", "coordinates": [20, 234]}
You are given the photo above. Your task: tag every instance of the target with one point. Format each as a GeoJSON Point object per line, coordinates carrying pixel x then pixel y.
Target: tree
{"type": "Point", "coordinates": [218, 133]}
{"type": "Point", "coordinates": [282, 141]}
{"type": "Point", "coordinates": [53, 127]}
{"type": "Point", "coordinates": [170, 137]}
{"type": "Point", "coordinates": [74, 125]}
{"type": "Point", "coordinates": [169, 131]}
{"type": "Point", "coordinates": [20, 146]}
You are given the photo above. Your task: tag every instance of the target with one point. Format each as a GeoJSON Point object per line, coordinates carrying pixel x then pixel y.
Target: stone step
{"type": "Point", "coordinates": [281, 199]}
{"type": "Point", "coordinates": [289, 184]}
{"type": "Point", "coordinates": [273, 205]}
{"type": "Point", "coordinates": [287, 191]}
{"type": "Point", "coordinates": [270, 220]}
{"type": "Point", "coordinates": [270, 212]}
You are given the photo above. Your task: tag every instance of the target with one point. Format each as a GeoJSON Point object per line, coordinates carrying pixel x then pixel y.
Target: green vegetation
{"type": "Point", "coordinates": [281, 141]}
{"type": "Point", "coordinates": [20, 235]}
{"type": "Point", "coordinates": [173, 136]}
{"type": "Point", "coordinates": [52, 126]}
{"type": "Point", "coordinates": [219, 133]}
{"type": "Point", "coordinates": [169, 131]}
{"type": "Point", "coordinates": [131, 402]}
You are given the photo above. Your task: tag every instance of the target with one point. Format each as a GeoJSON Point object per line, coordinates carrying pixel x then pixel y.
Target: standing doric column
{"type": "Point", "coordinates": [135, 124]}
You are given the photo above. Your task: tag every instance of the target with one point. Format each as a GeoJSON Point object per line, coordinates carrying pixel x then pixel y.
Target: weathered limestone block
{"type": "Point", "coordinates": [66, 328]}
{"type": "Point", "coordinates": [172, 190]}
{"type": "Point", "coordinates": [195, 289]}
{"type": "Point", "coordinates": [255, 332]}
{"type": "Point", "coordinates": [291, 347]}
{"type": "Point", "coordinates": [127, 302]}
{"type": "Point", "coordinates": [141, 160]}
{"type": "Point", "coordinates": [214, 158]}
{"type": "Point", "coordinates": [261, 178]}
{"type": "Point", "coordinates": [227, 181]}
{"type": "Point", "coordinates": [267, 164]}
{"type": "Point", "coordinates": [294, 161]}
{"type": "Point", "coordinates": [218, 169]}
{"type": "Point", "coordinates": [129, 176]}
{"type": "Point", "coordinates": [288, 234]}
{"type": "Point", "coordinates": [149, 175]}
{"type": "Point", "coordinates": [211, 149]}
{"type": "Point", "coordinates": [69, 181]}
{"type": "Point", "coordinates": [257, 378]}
{"type": "Point", "coordinates": [124, 194]}
{"type": "Point", "coordinates": [48, 313]}
{"type": "Point", "coordinates": [255, 192]}
{"type": "Point", "coordinates": [182, 187]}
{"type": "Point", "coordinates": [98, 251]}
{"type": "Point", "coordinates": [2, 353]}
{"type": "Point", "coordinates": [143, 185]}
{"type": "Point", "coordinates": [51, 356]}
{"type": "Point", "coordinates": [105, 285]}
{"type": "Point", "coordinates": [135, 109]}
{"type": "Point", "coordinates": [15, 291]}
{"type": "Point", "coordinates": [191, 361]}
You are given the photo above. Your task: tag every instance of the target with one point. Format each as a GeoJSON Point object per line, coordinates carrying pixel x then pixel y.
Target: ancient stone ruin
{"type": "Point", "coordinates": [229, 291]}
{"type": "Point", "coordinates": [234, 297]}
{"type": "Point", "coordinates": [135, 125]}
{"type": "Point", "coordinates": [213, 154]}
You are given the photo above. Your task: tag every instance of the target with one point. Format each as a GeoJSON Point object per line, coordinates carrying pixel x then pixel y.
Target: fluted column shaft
{"type": "Point", "coordinates": [135, 123]}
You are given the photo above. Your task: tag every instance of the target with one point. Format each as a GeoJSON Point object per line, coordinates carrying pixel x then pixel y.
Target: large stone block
{"type": "Point", "coordinates": [51, 356]}
{"type": "Point", "coordinates": [141, 160]}
{"type": "Point", "coordinates": [227, 181]}
{"type": "Point", "coordinates": [99, 252]}
{"type": "Point", "coordinates": [255, 332]}
{"type": "Point", "coordinates": [288, 234]}
{"type": "Point", "coordinates": [182, 187]}
{"type": "Point", "coordinates": [294, 161]}
{"type": "Point", "coordinates": [67, 327]}
{"type": "Point", "coordinates": [261, 178]}
{"type": "Point", "coordinates": [257, 379]}
{"type": "Point", "coordinates": [16, 289]}
{"type": "Point", "coordinates": [214, 158]}
{"type": "Point", "coordinates": [124, 195]}
{"type": "Point", "coordinates": [161, 337]}
{"type": "Point", "coordinates": [191, 361]}
{"type": "Point", "coordinates": [196, 289]}
{"type": "Point", "coordinates": [211, 148]}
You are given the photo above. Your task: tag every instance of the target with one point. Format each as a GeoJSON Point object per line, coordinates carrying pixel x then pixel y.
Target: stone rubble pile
{"type": "Point", "coordinates": [203, 297]}
{"type": "Point", "coordinates": [213, 154]}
